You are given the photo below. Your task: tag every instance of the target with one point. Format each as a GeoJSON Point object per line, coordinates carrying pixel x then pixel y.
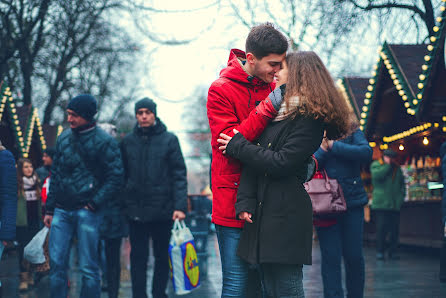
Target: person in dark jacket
{"type": "Point", "coordinates": [389, 190]}
{"type": "Point", "coordinates": [239, 99]}
{"type": "Point", "coordinates": [443, 210]}
{"type": "Point", "coordinates": [112, 229]}
{"type": "Point", "coordinates": [44, 171]}
{"type": "Point", "coordinates": [271, 197]}
{"type": "Point", "coordinates": [8, 198]}
{"type": "Point", "coordinates": [341, 237]}
{"type": "Point", "coordinates": [87, 172]}
{"type": "Point", "coordinates": [155, 195]}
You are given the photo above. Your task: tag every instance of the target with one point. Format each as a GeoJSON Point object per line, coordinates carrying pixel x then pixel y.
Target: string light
{"type": "Point", "coordinates": [425, 141]}
{"type": "Point", "coordinates": [401, 147]}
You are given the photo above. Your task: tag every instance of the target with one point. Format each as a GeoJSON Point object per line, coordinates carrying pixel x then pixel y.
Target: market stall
{"type": "Point", "coordinates": [405, 109]}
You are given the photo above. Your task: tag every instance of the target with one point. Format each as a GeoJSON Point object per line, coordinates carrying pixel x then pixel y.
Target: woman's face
{"type": "Point", "coordinates": [27, 169]}
{"type": "Point", "coordinates": [282, 74]}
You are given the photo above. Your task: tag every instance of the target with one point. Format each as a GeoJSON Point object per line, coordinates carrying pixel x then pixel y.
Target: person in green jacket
{"type": "Point", "coordinates": [388, 195]}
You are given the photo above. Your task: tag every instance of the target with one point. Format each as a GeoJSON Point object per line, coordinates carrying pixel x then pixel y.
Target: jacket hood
{"type": "Point", "coordinates": [156, 129]}
{"type": "Point", "coordinates": [235, 72]}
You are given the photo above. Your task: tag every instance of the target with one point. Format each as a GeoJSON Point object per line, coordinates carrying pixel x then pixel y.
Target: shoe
{"type": "Point", "coordinates": [394, 257]}
{"type": "Point", "coordinates": [30, 279]}
{"type": "Point", "coordinates": [380, 256]}
{"type": "Point", "coordinates": [23, 285]}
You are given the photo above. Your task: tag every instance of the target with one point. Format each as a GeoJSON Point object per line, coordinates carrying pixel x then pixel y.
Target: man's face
{"type": "Point", "coordinates": [145, 117]}
{"type": "Point", "coordinates": [266, 68]}
{"type": "Point", "coordinates": [47, 160]}
{"type": "Point", "coordinates": [75, 120]}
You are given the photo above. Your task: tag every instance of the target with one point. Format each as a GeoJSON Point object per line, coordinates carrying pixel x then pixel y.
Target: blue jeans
{"type": "Point", "coordinates": [234, 269]}
{"type": "Point", "coordinates": [1, 253]}
{"type": "Point", "coordinates": [344, 239]}
{"type": "Point", "coordinates": [66, 224]}
{"type": "Point", "coordinates": [283, 280]}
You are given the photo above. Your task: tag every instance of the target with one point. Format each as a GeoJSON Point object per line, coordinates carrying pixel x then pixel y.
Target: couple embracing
{"type": "Point", "coordinates": [268, 113]}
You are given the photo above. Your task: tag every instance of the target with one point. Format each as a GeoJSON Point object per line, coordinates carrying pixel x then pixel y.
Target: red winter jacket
{"type": "Point", "coordinates": [232, 101]}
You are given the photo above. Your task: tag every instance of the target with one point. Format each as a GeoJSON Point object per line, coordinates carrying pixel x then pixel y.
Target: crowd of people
{"type": "Point", "coordinates": [275, 117]}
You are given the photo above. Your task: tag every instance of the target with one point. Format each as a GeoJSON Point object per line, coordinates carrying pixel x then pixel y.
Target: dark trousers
{"type": "Point", "coordinates": [113, 272]}
{"type": "Point", "coordinates": [443, 261]}
{"type": "Point", "coordinates": [387, 224]}
{"type": "Point", "coordinates": [343, 240]}
{"type": "Point", "coordinates": [140, 232]}
{"type": "Point", "coordinates": [283, 280]}
{"type": "Point", "coordinates": [24, 234]}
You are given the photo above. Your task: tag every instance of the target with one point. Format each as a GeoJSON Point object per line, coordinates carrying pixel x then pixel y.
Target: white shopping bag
{"type": "Point", "coordinates": [183, 261]}
{"type": "Point", "coordinates": [33, 251]}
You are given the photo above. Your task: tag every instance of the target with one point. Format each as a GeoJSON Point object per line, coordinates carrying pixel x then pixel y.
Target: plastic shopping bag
{"type": "Point", "coordinates": [33, 251]}
{"type": "Point", "coordinates": [183, 260]}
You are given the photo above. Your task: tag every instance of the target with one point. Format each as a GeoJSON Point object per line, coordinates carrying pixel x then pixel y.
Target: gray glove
{"type": "Point", "coordinates": [276, 97]}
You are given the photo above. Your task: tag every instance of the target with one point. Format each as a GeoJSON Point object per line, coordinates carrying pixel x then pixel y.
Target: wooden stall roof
{"type": "Point", "coordinates": [355, 88]}
{"type": "Point", "coordinates": [432, 77]}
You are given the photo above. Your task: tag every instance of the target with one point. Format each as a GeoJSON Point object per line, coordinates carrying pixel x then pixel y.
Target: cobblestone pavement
{"type": "Point", "coordinates": [414, 275]}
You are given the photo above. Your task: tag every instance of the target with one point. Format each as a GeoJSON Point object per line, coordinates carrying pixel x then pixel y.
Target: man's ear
{"type": "Point", "coordinates": [250, 58]}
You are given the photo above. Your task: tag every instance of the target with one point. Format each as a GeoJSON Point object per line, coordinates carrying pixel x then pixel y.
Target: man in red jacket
{"type": "Point", "coordinates": [243, 98]}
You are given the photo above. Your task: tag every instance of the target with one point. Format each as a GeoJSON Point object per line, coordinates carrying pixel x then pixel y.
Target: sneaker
{"type": "Point", "coordinates": [380, 256]}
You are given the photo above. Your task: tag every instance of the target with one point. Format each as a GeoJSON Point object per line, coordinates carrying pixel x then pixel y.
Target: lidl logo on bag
{"type": "Point", "coordinates": [191, 265]}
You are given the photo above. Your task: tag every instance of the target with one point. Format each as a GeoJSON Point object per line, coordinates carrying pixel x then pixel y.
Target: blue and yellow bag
{"type": "Point", "coordinates": [183, 261]}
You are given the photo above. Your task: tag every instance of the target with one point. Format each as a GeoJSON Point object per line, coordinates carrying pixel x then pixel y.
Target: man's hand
{"type": "Point", "coordinates": [177, 214]}
{"type": "Point", "coordinates": [47, 220]}
{"type": "Point", "coordinates": [245, 216]}
{"type": "Point", "coordinates": [225, 139]}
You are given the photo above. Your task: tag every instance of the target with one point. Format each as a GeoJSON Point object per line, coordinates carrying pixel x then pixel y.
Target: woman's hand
{"type": "Point", "coordinates": [225, 139]}
{"type": "Point", "coordinates": [327, 144]}
{"type": "Point", "coordinates": [245, 216]}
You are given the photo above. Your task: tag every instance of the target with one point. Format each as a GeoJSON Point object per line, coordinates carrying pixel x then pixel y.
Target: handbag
{"type": "Point", "coordinates": [183, 260]}
{"type": "Point", "coordinates": [326, 195]}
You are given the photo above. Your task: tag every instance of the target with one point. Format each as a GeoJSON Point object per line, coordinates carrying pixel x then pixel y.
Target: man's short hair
{"type": "Point", "coordinates": [264, 39]}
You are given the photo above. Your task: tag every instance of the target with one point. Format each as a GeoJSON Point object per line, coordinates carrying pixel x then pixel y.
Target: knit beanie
{"type": "Point", "coordinates": [50, 151]}
{"type": "Point", "coordinates": [146, 103]}
{"type": "Point", "coordinates": [85, 105]}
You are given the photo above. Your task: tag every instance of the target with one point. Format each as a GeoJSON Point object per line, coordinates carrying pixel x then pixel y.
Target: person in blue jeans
{"type": "Point", "coordinates": [87, 172]}
{"type": "Point", "coordinates": [8, 199]}
{"type": "Point", "coordinates": [341, 237]}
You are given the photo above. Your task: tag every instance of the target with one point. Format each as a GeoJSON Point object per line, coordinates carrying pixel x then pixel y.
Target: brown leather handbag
{"type": "Point", "coordinates": [326, 195]}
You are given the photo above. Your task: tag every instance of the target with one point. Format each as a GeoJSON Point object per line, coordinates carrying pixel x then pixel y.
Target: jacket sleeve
{"type": "Point", "coordinates": [247, 192]}
{"type": "Point", "coordinates": [124, 161]}
{"type": "Point", "coordinates": [380, 171]}
{"type": "Point", "coordinates": [8, 196]}
{"type": "Point", "coordinates": [302, 141]}
{"type": "Point", "coordinates": [321, 156]}
{"type": "Point", "coordinates": [222, 118]}
{"type": "Point", "coordinates": [55, 179]}
{"type": "Point", "coordinates": [359, 150]}
{"type": "Point", "coordinates": [178, 175]}
{"type": "Point", "coordinates": [111, 164]}
{"type": "Point", "coordinates": [402, 183]}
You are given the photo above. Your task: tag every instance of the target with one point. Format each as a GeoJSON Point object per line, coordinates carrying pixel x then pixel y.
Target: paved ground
{"type": "Point", "coordinates": [414, 275]}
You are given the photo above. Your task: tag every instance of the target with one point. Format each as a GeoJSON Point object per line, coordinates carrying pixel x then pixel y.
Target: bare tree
{"type": "Point", "coordinates": [308, 24]}
{"type": "Point", "coordinates": [22, 33]}
{"type": "Point", "coordinates": [418, 12]}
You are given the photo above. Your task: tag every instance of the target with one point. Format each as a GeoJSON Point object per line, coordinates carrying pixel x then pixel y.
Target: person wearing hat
{"type": "Point", "coordinates": [389, 190]}
{"type": "Point", "coordinates": [155, 194]}
{"type": "Point", "coordinates": [44, 171]}
{"type": "Point", "coordinates": [87, 172]}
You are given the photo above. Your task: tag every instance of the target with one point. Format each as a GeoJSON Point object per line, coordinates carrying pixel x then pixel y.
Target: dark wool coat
{"type": "Point", "coordinates": [155, 174]}
{"type": "Point", "coordinates": [343, 163]}
{"type": "Point", "coordinates": [8, 195]}
{"type": "Point", "coordinates": [443, 170]}
{"type": "Point", "coordinates": [271, 188]}
{"type": "Point", "coordinates": [92, 179]}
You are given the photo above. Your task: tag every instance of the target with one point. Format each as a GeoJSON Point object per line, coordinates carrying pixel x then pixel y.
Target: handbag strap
{"type": "Point", "coordinates": [327, 183]}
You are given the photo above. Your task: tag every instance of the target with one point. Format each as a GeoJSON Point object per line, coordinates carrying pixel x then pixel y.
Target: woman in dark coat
{"type": "Point", "coordinates": [341, 237]}
{"type": "Point", "coordinates": [271, 196]}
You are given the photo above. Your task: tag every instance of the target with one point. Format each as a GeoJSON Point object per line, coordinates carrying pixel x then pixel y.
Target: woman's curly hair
{"type": "Point", "coordinates": [309, 79]}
